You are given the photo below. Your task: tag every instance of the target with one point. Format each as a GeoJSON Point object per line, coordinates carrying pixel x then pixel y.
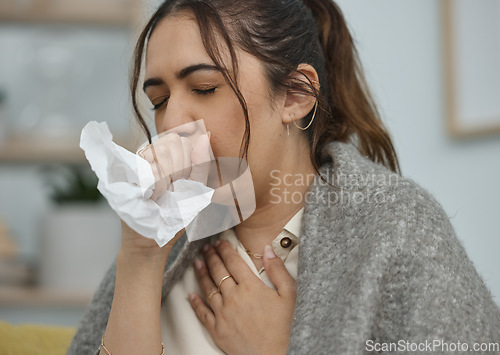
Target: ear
{"type": "Point", "coordinates": [299, 104]}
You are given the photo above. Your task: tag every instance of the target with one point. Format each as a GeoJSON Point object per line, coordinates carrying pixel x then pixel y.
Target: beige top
{"type": "Point", "coordinates": [181, 330]}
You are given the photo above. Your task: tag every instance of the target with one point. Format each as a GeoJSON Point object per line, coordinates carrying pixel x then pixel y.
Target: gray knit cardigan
{"type": "Point", "coordinates": [379, 262]}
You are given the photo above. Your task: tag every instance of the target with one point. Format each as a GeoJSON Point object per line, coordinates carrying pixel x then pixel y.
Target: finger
{"type": "Point", "coordinates": [160, 171]}
{"type": "Point", "coordinates": [278, 274]}
{"type": "Point", "coordinates": [201, 149]}
{"type": "Point", "coordinates": [204, 313]}
{"type": "Point", "coordinates": [169, 155]}
{"type": "Point", "coordinates": [234, 263]}
{"type": "Point", "coordinates": [146, 153]}
{"type": "Point", "coordinates": [207, 285]}
{"type": "Point", "coordinates": [200, 159]}
{"type": "Point", "coordinates": [141, 149]}
{"type": "Point", "coordinates": [217, 268]}
{"type": "Point", "coordinates": [162, 182]}
{"type": "Point", "coordinates": [186, 149]}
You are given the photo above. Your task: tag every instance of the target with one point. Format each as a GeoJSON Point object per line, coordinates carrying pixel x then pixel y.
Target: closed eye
{"type": "Point", "coordinates": [204, 92]}
{"type": "Point", "coordinates": [158, 105]}
{"type": "Point", "coordinates": [196, 91]}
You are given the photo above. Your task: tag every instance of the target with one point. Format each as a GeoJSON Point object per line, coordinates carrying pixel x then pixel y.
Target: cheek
{"type": "Point", "coordinates": [226, 122]}
{"type": "Point", "coordinates": [224, 146]}
{"type": "Point", "coordinates": [260, 112]}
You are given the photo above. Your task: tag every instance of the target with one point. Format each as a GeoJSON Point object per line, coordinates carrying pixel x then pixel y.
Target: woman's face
{"type": "Point", "coordinates": [183, 84]}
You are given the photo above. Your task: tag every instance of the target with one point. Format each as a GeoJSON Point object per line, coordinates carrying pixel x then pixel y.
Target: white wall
{"type": "Point", "coordinates": [400, 43]}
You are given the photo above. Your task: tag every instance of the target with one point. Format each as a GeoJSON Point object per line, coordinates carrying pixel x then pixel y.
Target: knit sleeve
{"type": "Point", "coordinates": [432, 292]}
{"type": "Point", "coordinates": [87, 339]}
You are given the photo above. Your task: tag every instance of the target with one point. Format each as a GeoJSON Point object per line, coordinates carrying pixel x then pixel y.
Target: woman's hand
{"type": "Point", "coordinates": [135, 244]}
{"type": "Point", "coordinates": [171, 158]}
{"type": "Point", "coordinates": [246, 317]}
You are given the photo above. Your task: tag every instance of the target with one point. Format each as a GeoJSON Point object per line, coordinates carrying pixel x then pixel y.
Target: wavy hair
{"type": "Point", "coordinates": [284, 34]}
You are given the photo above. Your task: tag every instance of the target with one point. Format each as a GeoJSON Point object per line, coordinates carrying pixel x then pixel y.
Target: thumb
{"type": "Point", "coordinates": [278, 274]}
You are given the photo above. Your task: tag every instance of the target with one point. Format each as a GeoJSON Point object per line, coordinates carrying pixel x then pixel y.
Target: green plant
{"type": "Point", "coordinates": [72, 183]}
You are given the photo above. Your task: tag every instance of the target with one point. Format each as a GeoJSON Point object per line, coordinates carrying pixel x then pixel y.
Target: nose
{"type": "Point", "coordinates": [177, 118]}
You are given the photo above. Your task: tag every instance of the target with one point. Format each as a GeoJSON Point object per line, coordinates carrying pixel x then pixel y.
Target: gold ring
{"type": "Point", "coordinates": [211, 294]}
{"type": "Point", "coordinates": [221, 281]}
{"type": "Point", "coordinates": [140, 152]}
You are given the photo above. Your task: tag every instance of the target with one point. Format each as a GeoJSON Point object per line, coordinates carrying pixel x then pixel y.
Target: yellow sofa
{"type": "Point", "coordinates": [34, 339]}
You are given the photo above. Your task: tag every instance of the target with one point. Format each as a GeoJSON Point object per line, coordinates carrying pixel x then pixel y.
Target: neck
{"type": "Point", "coordinates": [284, 198]}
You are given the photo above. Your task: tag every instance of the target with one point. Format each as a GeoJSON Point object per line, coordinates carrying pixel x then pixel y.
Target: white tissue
{"type": "Point", "coordinates": [126, 181]}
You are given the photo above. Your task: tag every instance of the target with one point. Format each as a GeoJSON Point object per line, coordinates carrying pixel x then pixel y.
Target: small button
{"type": "Point", "coordinates": [286, 242]}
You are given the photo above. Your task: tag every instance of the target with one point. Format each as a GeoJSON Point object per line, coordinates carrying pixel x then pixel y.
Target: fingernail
{"type": "Point", "coordinates": [198, 264]}
{"type": "Point", "coordinates": [205, 247]}
{"type": "Point", "coordinates": [268, 252]}
{"type": "Point", "coordinates": [217, 242]}
{"type": "Point", "coordinates": [191, 297]}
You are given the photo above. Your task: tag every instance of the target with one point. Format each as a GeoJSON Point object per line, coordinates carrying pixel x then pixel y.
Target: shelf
{"type": "Point", "coordinates": [18, 296]}
{"type": "Point", "coordinates": [25, 150]}
{"type": "Point", "coordinates": [111, 12]}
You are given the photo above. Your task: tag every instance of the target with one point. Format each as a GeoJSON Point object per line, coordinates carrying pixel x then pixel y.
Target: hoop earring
{"type": "Point", "coordinates": [312, 119]}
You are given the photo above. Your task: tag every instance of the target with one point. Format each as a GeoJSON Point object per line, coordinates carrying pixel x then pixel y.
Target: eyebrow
{"type": "Point", "coordinates": [155, 81]}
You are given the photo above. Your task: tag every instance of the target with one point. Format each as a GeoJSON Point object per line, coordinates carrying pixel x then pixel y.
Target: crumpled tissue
{"type": "Point", "coordinates": [126, 180]}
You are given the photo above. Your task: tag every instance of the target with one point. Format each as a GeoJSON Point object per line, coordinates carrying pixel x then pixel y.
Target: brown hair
{"type": "Point", "coordinates": [283, 34]}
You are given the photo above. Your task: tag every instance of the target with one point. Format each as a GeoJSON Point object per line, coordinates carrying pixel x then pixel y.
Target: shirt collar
{"type": "Point", "coordinates": [293, 225]}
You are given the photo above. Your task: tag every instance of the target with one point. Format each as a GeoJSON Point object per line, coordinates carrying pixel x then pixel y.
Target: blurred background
{"type": "Point", "coordinates": [64, 63]}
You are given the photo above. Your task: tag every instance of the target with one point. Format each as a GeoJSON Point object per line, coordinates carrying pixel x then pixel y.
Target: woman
{"type": "Point", "coordinates": [379, 264]}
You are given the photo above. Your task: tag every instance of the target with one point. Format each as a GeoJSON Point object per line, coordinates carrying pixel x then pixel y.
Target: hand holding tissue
{"type": "Point", "coordinates": [171, 184]}
{"type": "Point", "coordinates": [127, 181]}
